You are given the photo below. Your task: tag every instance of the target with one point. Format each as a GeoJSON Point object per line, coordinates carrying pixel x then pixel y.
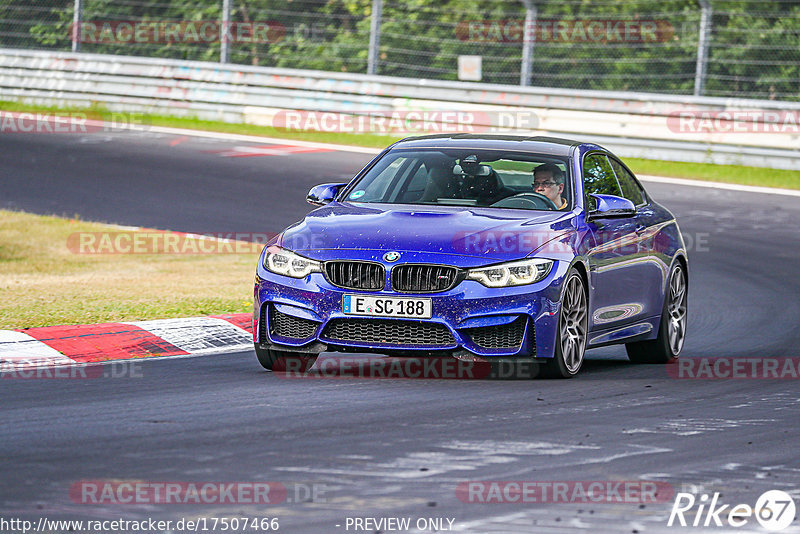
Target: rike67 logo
{"type": "Point", "coordinates": [774, 510]}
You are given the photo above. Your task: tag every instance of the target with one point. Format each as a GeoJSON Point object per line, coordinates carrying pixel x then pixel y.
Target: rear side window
{"type": "Point", "coordinates": [630, 189]}
{"type": "Point", "coordinates": [599, 178]}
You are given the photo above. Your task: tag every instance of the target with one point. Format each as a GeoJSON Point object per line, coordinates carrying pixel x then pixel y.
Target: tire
{"type": "Point", "coordinates": [672, 330]}
{"type": "Point", "coordinates": [280, 361]}
{"type": "Point", "coordinates": [573, 323]}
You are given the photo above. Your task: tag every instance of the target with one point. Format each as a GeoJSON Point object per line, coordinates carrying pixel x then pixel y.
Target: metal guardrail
{"type": "Point", "coordinates": [632, 124]}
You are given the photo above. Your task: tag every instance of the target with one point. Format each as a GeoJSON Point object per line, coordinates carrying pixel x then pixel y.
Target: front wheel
{"type": "Point", "coordinates": [572, 328]}
{"type": "Point", "coordinates": [672, 331]}
{"type": "Point", "coordinates": [281, 361]}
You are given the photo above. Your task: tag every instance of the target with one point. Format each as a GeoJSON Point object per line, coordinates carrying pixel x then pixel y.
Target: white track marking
{"type": "Point", "coordinates": [721, 185]}
{"type": "Point", "coordinates": [259, 139]}
{"type": "Point", "coordinates": [690, 427]}
{"type": "Point", "coordinates": [20, 349]}
{"type": "Point", "coordinates": [537, 448]}
{"type": "Point", "coordinates": [198, 335]}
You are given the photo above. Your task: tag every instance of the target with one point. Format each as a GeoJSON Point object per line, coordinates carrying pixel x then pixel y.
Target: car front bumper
{"type": "Point", "coordinates": [305, 315]}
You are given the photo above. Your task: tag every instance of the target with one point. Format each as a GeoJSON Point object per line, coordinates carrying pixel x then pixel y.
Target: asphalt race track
{"type": "Point", "coordinates": [399, 448]}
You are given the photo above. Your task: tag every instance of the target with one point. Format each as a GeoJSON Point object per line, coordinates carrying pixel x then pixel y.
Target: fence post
{"type": "Point", "coordinates": [702, 48]}
{"type": "Point", "coordinates": [77, 19]}
{"type": "Point", "coordinates": [225, 46]}
{"type": "Point", "coordinates": [374, 37]}
{"type": "Point", "coordinates": [528, 41]}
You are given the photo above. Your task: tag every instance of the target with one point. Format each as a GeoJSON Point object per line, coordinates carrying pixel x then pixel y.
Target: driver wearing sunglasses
{"type": "Point", "coordinates": [548, 180]}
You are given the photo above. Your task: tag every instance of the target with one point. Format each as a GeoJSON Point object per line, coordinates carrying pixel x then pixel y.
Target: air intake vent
{"type": "Point", "coordinates": [288, 326]}
{"type": "Point", "coordinates": [355, 274]}
{"type": "Point", "coordinates": [421, 278]}
{"type": "Point", "coordinates": [388, 332]}
{"type": "Point", "coordinates": [504, 336]}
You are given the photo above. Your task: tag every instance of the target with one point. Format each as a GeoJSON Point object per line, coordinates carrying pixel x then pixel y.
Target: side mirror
{"type": "Point", "coordinates": [611, 206]}
{"type": "Point", "coordinates": [322, 194]}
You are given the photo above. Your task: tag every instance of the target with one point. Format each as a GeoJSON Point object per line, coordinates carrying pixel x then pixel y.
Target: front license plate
{"type": "Point", "coordinates": [387, 306]}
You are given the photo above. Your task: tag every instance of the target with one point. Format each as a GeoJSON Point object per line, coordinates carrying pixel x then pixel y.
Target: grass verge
{"type": "Point", "coordinates": [45, 282]}
{"type": "Point", "coordinates": [731, 174]}
{"type": "Point", "coordinates": [735, 174]}
{"type": "Point", "coordinates": [100, 113]}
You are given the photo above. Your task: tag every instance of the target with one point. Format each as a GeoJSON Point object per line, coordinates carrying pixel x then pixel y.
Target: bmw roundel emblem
{"type": "Point", "coordinates": [391, 256]}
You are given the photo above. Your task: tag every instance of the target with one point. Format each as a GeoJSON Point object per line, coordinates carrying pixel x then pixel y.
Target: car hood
{"type": "Point", "coordinates": [348, 230]}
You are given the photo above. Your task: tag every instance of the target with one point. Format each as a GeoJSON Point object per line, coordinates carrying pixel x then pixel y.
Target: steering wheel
{"type": "Point", "coordinates": [524, 200]}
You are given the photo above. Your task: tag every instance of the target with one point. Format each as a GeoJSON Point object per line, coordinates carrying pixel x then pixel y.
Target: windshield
{"type": "Point", "coordinates": [466, 177]}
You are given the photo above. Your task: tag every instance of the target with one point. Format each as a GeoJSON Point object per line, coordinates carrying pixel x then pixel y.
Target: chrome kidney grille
{"type": "Point", "coordinates": [356, 274]}
{"type": "Point", "coordinates": [423, 278]}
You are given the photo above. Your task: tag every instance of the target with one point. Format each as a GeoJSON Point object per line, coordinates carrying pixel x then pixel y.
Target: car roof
{"type": "Point", "coordinates": [539, 144]}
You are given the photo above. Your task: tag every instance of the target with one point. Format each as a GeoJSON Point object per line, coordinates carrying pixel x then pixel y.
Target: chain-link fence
{"type": "Point", "coordinates": [742, 48]}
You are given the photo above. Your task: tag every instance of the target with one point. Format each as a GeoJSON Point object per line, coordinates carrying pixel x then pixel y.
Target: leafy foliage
{"type": "Point", "coordinates": [754, 52]}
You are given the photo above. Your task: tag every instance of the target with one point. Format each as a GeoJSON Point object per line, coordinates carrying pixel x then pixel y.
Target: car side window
{"type": "Point", "coordinates": [599, 178]}
{"type": "Point", "coordinates": [630, 189]}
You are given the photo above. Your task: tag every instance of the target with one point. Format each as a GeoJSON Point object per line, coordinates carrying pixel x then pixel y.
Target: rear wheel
{"type": "Point", "coordinates": [572, 327]}
{"type": "Point", "coordinates": [672, 331]}
{"type": "Point", "coordinates": [281, 361]}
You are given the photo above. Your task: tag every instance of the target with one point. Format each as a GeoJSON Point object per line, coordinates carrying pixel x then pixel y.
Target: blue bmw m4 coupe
{"type": "Point", "coordinates": [488, 248]}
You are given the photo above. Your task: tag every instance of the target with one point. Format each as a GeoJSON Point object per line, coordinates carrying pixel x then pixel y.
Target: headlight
{"type": "Point", "coordinates": [516, 273]}
{"type": "Point", "coordinates": [281, 261]}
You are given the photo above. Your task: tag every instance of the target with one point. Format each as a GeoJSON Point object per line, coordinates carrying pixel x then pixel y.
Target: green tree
{"type": "Point", "coordinates": [754, 50]}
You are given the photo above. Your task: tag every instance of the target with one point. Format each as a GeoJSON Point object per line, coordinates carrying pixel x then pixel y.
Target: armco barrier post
{"type": "Point", "coordinates": [528, 41]}
{"type": "Point", "coordinates": [374, 37]}
{"type": "Point", "coordinates": [702, 48]}
{"type": "Point", "coordinates": [224, 45]}
{"type": "Point", "coordinates": [77, 17]}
